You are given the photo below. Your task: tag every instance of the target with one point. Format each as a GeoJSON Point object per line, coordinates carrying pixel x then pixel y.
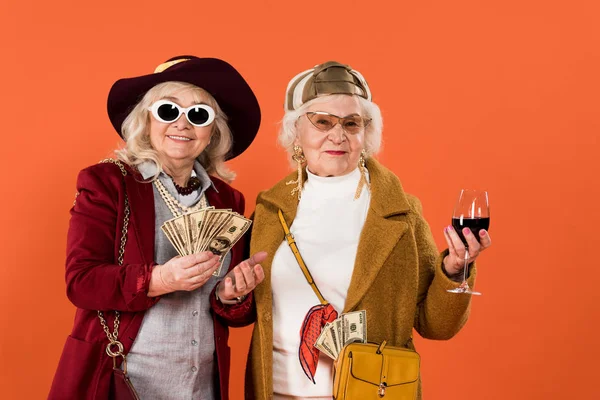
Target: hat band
{"type": "Point", "coordinates": [169, 64]}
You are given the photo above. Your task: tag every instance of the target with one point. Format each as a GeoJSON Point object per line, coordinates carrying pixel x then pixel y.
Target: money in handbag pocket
{"type": "Point", "coordinates": [347, 328]}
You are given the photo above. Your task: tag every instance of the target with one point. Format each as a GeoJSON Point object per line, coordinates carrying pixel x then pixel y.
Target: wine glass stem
{"type": "Point", "coordinates": [466, 268]}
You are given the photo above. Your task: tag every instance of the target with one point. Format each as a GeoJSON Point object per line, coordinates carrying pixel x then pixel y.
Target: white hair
{"type": "Point", "coordinates": [135, 128]}
{"type": "Point", "coordinates": [288, 131]}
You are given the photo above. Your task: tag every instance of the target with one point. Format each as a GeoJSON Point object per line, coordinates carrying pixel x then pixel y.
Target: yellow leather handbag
{"type": "Point", "coordinates": [369, 371]}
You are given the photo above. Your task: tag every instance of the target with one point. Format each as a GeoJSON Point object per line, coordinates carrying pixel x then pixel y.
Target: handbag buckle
{"type": "Point", "coordinates": [382, 387]}
{"type": "Point", "coordinates": [381, 347]}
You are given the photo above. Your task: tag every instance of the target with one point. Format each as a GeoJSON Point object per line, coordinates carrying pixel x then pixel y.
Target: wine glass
{"type": "Point", "coordinates": [471, 211]}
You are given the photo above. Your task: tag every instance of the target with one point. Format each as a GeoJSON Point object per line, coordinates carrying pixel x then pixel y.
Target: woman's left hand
{"type": "Point", "coordinates": [454, 262]}
{"type": "Point", "coordinates": [243, 278]}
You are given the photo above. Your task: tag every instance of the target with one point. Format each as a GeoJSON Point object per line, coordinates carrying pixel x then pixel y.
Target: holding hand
{"type": "Point", "coordinates": [454, 262]}
{"type": "Point", "coordinates": [183, 273]}
{"type": "Point", "coordinates": [243, 278]}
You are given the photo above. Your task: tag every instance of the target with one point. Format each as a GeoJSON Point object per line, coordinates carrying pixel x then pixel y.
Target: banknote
{"type": "Point", "coordinates": [337, 334]}
{"type": "Point", "coordinates": [219, 221]}
{"type": "Point", "coordinates": [181, 233]}
{"type": "Point", "coordinates": [209, 229]}
{"type": "Point", "coordinates": [170, 235]}
{"type": "Point", "coordinates": [325, 343]}
{"type": "Point", "coordinates": [347, 328]}
{"type": "Point", "coordinates": [354, 327]}
{"type": "Point", "coordinates": [196, 224]}
{"type": "Point", "coordinates": [227, 236]}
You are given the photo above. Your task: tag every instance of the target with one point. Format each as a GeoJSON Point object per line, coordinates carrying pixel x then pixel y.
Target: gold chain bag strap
{"type": "Point", "coordinates": [367, 371]}
{"type": "Point", "coordinates": [122, 388]}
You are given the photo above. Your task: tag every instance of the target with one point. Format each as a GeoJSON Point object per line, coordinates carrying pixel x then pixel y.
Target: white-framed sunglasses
{"type": "Point", "coordinates": [167, 111]}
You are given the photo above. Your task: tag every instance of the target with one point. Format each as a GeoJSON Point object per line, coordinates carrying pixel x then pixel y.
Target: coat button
{"type": "Point", "coordinates": [194, 369]}
{"type": "Point", "coordinates": [194, 343]}
{"type": "Point", "coordinates": [195, 313]}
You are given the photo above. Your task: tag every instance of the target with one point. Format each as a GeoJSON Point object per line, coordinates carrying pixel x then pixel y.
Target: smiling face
{"type": "Point", "coordinates": [179, 140]}
{"type": "Point", "coordinates": [335, 152]}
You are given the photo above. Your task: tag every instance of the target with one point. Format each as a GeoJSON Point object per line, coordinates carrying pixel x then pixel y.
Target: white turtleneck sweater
{"type": "Point", "coordinates": [327, 229]}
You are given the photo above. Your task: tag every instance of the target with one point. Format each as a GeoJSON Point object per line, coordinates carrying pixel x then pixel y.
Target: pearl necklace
{"type": "Point", "coordinates": [174, 205]}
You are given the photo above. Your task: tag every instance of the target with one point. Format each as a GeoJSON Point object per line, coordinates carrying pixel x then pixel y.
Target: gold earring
{"type": "Point", "coordinates": [300, 159]}
{"type": "Point", "coordinates": [363, 175]}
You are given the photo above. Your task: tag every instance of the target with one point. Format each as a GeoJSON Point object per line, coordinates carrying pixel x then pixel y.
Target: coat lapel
{"type": "Point", "coordinates": [380, 234]}
{"type": "Point", "coordinates": [141, 205]}
{"type": "Point", "coordinates": [267, 234]}
{"type": "Point", "coordinates": [377, 240]}
{"type": "Point", "coordinates": [214, 199]}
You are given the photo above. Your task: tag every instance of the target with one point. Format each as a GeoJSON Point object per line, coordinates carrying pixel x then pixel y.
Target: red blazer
{"type": "Point", "coordinates": [96, 282]}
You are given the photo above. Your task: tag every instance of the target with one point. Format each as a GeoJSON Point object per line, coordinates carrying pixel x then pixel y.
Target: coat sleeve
{"type": "Point", "coordinates": [94, 280]}
{"type": "Point", "coordinates": [244, 313]}
{"type": "Point", "coordinates": [440, 314]}
{"type": "Point", "coordinates": [235, 315]}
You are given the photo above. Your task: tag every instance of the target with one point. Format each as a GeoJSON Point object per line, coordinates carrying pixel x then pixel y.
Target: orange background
{"type": "Point", "coordinates": [495, 94]}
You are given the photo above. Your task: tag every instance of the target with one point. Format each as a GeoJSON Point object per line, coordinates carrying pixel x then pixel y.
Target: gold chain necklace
{"type": "Point", "coordinates": [174, 205]}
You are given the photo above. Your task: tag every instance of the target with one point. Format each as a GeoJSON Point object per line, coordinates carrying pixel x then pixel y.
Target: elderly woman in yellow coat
{"type": "Point", "coordinates": [362, 237]}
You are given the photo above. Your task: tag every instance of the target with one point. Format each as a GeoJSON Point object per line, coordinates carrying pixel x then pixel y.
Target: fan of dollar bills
{"type": "Point", "coordinates": [206, 230]}
{"type": "Point", "coordinates": [346, 329]}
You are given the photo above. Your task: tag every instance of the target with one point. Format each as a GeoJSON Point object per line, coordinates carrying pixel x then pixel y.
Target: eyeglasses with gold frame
{"type": "Point", "coordinates": [325, 121]}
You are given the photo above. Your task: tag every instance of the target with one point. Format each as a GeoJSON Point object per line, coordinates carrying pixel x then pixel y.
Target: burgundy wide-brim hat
{"type": "Point", "coordinates": [217, 77]}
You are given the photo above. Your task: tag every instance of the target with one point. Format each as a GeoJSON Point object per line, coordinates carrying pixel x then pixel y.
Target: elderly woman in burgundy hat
{"type": "Point", "coordinates": [166, 316]}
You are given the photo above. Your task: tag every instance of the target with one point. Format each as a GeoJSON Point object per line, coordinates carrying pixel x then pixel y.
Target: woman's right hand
{"type": "Point", "coordinates": [183, 273]}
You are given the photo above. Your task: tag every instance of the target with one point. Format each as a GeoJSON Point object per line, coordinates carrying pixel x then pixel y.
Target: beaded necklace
{"type": "Point", "coordinates": [193, 184]}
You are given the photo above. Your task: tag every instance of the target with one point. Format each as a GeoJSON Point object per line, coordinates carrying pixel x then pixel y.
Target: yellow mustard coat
{"type": "Point", "coordinates": [397, 276]}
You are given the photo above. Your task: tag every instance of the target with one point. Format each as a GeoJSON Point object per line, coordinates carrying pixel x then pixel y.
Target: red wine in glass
{"type": "Point", "coordinates": [471, 211]}
{"type": "Point", "coordinates": [474, 224]}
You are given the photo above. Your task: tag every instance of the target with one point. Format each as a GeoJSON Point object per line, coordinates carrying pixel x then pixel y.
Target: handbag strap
{"type": "Point", "coordinates": [292, 243]}
{"type": "Point", "coordinates": [113, 337]}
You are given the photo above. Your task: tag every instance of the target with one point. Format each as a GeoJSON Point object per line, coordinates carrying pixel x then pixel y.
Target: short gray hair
{"type": "Point", "coordinates": [288, 130]}
{"type": "Point", "coordinates": [135, 128]}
